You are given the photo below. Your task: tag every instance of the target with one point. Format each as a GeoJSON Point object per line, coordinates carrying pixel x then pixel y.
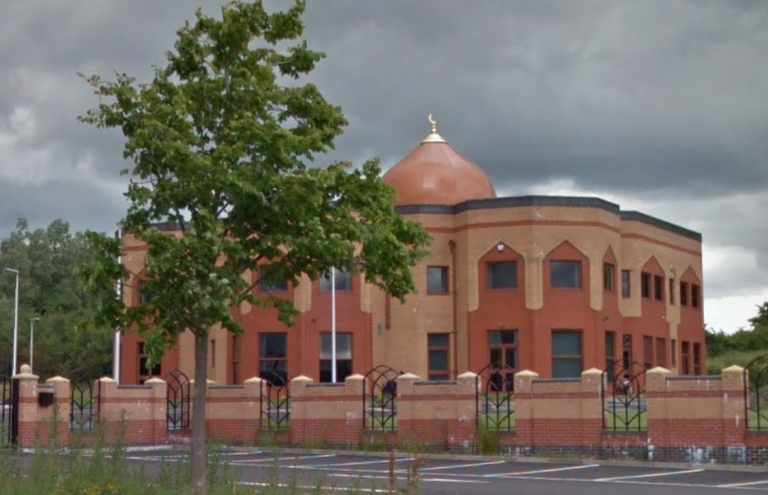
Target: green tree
{"type": "Point", "coordinates": [220, 141]}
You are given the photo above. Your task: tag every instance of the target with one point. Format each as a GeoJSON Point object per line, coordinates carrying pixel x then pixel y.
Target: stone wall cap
{"type": "Point", "coordinates": [57, 379]}
{"type": "Point", "coordinates": [467, 374]}
{"type": "Point", "coordinates": [408, 376]}
{"type": "Point", "coordinates": [733, 368]}
{"type": "Point", "coordinates": [155, 381]}
{"type": "Point", "coordinates": [526, 374]}
{"type": "Point", "coordinates": [106, 379]}
{"type": "Point", "coordinates": [254, 379]}
{"type": "Point", "coordinates": [25, 368]}
{"type": "Point", "coordinates": [302, 378]}
{"type": "Point", "coordinates": [355, 377]}
{"type": "Point", "coordinates": [658, 370]}
{"type": "Point", "coordinates": [25, 376]}
{"type": "Point", "coordinates": [592, 371]}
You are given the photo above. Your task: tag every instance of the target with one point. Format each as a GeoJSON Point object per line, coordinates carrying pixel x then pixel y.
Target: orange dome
{"type": "Point", "coordinates": [435, 173]}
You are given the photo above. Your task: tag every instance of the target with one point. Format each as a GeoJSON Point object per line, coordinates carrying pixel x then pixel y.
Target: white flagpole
{"type": "Point", "coordinates": [119, 291]}
{"type": "Point", "coordinates": [333, 325]}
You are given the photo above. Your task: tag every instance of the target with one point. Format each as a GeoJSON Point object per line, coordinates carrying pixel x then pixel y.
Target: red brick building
{"type": "Point", "coordinates": [551, 284]}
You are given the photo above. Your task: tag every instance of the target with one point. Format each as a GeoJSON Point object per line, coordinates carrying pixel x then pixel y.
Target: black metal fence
{"type": "Point", "coordinates": [623, 396]}
{"type": "Point", "coordinates": [494, 398]}
{"type": "Point", "coordinates": [9, 419]}
{"type": "Point", "coordinates": [85, 400]}
{"type": "Point", "coordinates": [276, 401]}
{"type": "Point", "coordinates": [177, 401]}
{"type": "Point", "coordinates": [756, 393]}
{"type": "Point", "coordinates": [380, 399]}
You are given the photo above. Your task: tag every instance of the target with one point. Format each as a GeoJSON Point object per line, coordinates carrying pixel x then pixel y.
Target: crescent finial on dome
{"type": "Point", "coordinates": [433, 137]}
{"type": "Point", "coordinates": [433, 122]}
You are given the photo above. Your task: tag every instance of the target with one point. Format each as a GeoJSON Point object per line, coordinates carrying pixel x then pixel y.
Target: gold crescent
{"type": "Point", "coordinates": [431, 120]}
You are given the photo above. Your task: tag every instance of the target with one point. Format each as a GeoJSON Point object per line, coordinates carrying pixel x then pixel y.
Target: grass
{"type": "Point", "coordinates": [631, 422]}
{"type": "Point", "coordinates": [497, 421]}
{"type": "Point", "coordinates": [715, 364]}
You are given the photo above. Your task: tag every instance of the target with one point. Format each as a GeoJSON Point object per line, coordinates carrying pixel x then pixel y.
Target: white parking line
{"type": "Point", "coordinates": [439, 468]}
{"type": "Point", "coordinates": [746, 483]}
{"type": "Point", "coordinates": [313, 488]}
{"type": "Point", "coordinates": [362, 463]}
{"type": "Point", "coordinates": [541, 471]}
{"type": "Point", "coordinates": [265, 462]}
{"type": "Point", "coordinates": [404, 478]}
{"type": "Point", "coordinates": [651, 475]}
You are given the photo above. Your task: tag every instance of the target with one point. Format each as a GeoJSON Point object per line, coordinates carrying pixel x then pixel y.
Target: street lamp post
{"type": "Point", "coordinates": [15, 321]}
{"type": "Point", "coordinates": [32, 339]}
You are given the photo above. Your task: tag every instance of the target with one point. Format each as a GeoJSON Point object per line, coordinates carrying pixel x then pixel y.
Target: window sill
{"type": "Point", "coordinates": [438, 293]}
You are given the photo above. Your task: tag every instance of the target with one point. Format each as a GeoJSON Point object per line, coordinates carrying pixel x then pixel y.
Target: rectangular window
{"type": "Point", "coordinates": [437, 280]}
{"type": "Point", "coordinates": [609, 275]}
{"type": "Point", "coordinates": [683, 294]}
{"type": "Point", "coordinates": [273, 358]}
{"type": "Point", "coordinates": [235, 359]}
{"type": "Point", "coordinates": [661, 352]}
{"type": "Point", "coordinates": [268, 284]}
{"type": "Point", "coordinates": [566, 354]}
{"type": "Point", "coordinates": [694, 295]}
{"type": "Point", "coordinates": [213, 353]}
{"type": "Point", "coordinates": [502, 345]}
{"type": "Point", "coordinates": [438, 347]}
{"type": "Point", "coordinates": [343, 357]}
{"type": "Point", "coordinates": [626, 350]}
{"type": "Point", "coordinates": [648, 352]}
{"type": "Point", "coordinates": [625, 283]}
{"type": "Point", "coordinates": [696, 358]}
{"type": "Point", "coordinates": [501, 275]}
{"type": "Point", "coordinates": [610, 350]}
{"type": "Point", "coordinates": [342, 279]}
{"type": "Point", "coordinates": [145, 372]}
{"type": "Point", "coordinates": [645, 280]}
{"type": "Point", "coordinates": [673, 351]}
{"type": "Point", "coordinates": [145, 295]}
{"type": "Point", "coordinates": [685, 358]}
{"type": "Point", "coordinates": [565, 274]}
{"type": "Point", "coordinates": [658, 288]}
{"type": "Point", "coordinates": [672, 291]}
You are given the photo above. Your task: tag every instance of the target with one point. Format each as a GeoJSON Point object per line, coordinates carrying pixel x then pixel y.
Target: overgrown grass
{"type": "Point", "coordinates": [621, 422]}
{"type": "Point", "coordinates": [715, 364]}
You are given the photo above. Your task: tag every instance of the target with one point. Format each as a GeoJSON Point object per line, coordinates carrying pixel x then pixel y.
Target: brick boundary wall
{"type": "Point", "coordinates": [689, 419]}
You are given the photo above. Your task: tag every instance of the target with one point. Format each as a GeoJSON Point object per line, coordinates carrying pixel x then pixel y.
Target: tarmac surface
{"type": "Point", "coordinates": [367, 473]}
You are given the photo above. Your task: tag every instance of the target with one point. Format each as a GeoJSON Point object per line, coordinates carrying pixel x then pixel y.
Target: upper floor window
{"type": "Point", "coordinates": [683, 294]}
{"type": "Point", "coordinates": [645, 284]}
{"type": "Point", "coordinates": [694, 295]}
{"type": "Point", "coordinates": [658, 288]}
{"type": "Point", "coordinates": [625, 283]}
{"type": "Point", "coordinates": [145, 294]}
{"type": "Point", "coordinates": [437, 280]}
{"type": "Point", "coordinates": [671, 291]}
{"type": "Point", "coordinates": [342, 279]}
{"type": "Point", "coordinates": [565, 274]}
{"type": "Point", "coordinates": [266, 284]}
{"type": "Point", "coordinates": [609, 276]}
{"type": "Point", "coordinates": [501, 274]}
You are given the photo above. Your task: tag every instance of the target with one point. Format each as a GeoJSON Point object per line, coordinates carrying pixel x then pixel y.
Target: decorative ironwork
{"type": "Point", "coordinates": [177, 401]}
{"type": "Point", "coordinates": [494, 397]}
{"type": "Point", "coordinates": [9, 419]}
{"type": "Point", "coordinates": [85, 394]}
{"type": "Point", "coordinates": [380, 399]}
{"type": "Point", "coordinates": [276, 403]}
{"type": "Point", "coordinates": [623, 395]}
{"type": "Point", "coordinates": [756, 393]}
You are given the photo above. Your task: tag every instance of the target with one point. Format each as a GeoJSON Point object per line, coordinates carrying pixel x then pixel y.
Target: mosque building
{"type": "Point", "coordinates": [551, 284]}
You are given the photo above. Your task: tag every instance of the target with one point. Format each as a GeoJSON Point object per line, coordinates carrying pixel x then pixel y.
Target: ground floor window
{"type": "Point", "coordinates": [235, 359]}
{"type": "Point", "coordinates": [647, 352]}
{"type": "Point", "coordinates": [696, 358]}
{"type": "Point", "coordinates": [273, 358]}
{"type": "Point", "coordinates": [673, 351]}
{"type": "Point", "coordinates": [566, 354]}
{"type": "Point", "coordinates": [343, 357]}
{"type": "Point", "coordinates": [145, 371]}
{"type": "Point", "coordinates": [438, 347]}
{"type": "Point", "coordinates": [503, 348]}
{"type": "Point", "coordinates": [626, 350]}
{"type": "Point", "coordinates": [685, 358]}
{"type": "Point", "coordinates": [661, 352]}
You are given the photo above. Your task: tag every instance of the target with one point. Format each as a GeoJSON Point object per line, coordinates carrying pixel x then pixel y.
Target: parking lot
{"type": "Point", "coordinates": [373, 473]}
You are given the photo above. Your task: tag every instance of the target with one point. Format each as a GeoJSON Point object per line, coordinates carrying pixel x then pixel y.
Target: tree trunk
{"type": "Point", "coordinates": [199, 483]}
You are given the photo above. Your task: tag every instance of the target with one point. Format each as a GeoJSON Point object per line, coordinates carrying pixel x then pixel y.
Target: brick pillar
{"type": "Point", "coordinates": [62, 394]}
{"type": "Point", "coordinates": [299, 409]}
{"type": "Point", "coordinates": [524, 411]}
{"type": "Point", "coordinates": [158, 410]}
{"type": "Point", "coordinates": [466, 411]}
{"type": "Point", "coordinates": [253, 388]}
{"type": "Point", "coordinates": [657, 415]}
{"type": "Point", "coordinates": [734, 422]}
{"type": "Point", "coordinates": [354, 420]}
{"type": "Point", "coordinates": [110, 416]}
{"type": "Point", "coordinates": [591, 410]}
{"type": "Point", "coordinates": [405, 414]}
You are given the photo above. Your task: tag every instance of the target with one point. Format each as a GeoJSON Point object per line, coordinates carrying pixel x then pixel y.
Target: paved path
{"type": "Point", "coordinates": [366, 474]}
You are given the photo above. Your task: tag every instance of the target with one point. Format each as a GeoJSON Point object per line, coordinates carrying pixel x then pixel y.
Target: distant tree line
{"type": "Point", "coordinates": [741, 346]}
{"type": "Point", "coordinates": [66, 341]}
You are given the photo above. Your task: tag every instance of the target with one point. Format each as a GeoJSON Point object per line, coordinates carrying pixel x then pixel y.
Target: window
{"type": "Point", "coordinates": [438, 345]}
{"type": "Point", "coordinates": [566, 354]}
{"type": "Point", "coordinates": [645, 279]}
{"type": "Point", "coordinates": [626, 350]}
{"type": "Point", "coordinates": [565, 274]}
{"type": "Point", "coordinates": [343, 357]}
{"type": "Point", "coordinates": [694, 295]}
{"type": "Point", "coordinates": [266, 284]}
{"type": "Point", "coordinates": [145, 372]}
{"type": "Point", "coordinates": [213, 353]}
{"type": "Point", "coordinates": [502, 345]}
{"type": "Point", "coordinates": [342, 278]}
{"type": "Point", "coordinates": [145, 295]}
{"type": "Point", "coordinates": [647, 352]}
{"type": "Point", "coordinates": [609, 273]}
{"type": "Point", "coordinates": [658, 288]}
{"type": "Point", "coordinates": [685, 358]}
{"type": "Point", "coordinates": [437, 280]}
{"type": "Point", "coordinates": [273, 353]}
{"type": "Point", "coordinates": [235, 359]}
{"type": "Point", "coordinates": [501, 274]}
{"type": "Point", "coordinates": [625, 283]}
{"type": "Point", "coordinates": [673, 351]}
{"type": "Point", "coordinates": [696, 358]}
{"type": "Point", "coordinates": [610, 350]}
{"type": "Point", "coordinates": [683, 294]}
{"type": "Point", "coordinates": [672, 291]}
{"type": "Point", "coordinates": [661, 352]}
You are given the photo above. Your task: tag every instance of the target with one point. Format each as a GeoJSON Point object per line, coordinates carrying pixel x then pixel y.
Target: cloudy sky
{"type": "Point", "coordinates": [657, 105]}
